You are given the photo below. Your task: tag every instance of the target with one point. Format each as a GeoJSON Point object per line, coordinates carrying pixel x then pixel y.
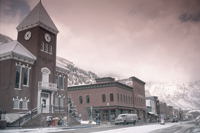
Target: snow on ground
{"type": "Point", "coordinates": [138, 129]}
{"type": "Point", "coordinates": [35, 130]}
{"type": "Point", "coordinates": [87, 122]}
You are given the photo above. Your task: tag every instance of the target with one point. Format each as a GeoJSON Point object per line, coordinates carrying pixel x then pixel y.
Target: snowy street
{"type": "Point", "coordinates": [180, 127]}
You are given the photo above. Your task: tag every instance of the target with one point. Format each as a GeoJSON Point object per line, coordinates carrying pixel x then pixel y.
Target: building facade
{"type": "Point", "coordinates": [153, 108]}
{"type": "Point", "coordinates": [30, 78]}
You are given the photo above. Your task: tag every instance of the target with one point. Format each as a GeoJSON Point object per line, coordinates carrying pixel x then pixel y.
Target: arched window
{"type": "Point", "coordinates": [111, 97]}
{"type": "Point", "coordinates": [80, 99]}
{"type": "Point", "coordinates": [87, 99]}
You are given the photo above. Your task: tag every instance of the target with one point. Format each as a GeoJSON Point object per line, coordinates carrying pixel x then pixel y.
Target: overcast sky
{"type": "Point", "coordinates": [154, 40]}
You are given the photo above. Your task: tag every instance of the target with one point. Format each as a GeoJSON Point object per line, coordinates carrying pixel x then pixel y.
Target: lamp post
{"type": "Point", "coordinates": [108, 112]}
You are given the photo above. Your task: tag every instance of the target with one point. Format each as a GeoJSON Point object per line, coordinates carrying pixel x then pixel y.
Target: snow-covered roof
{"type": "Point", "coordinates": [38, 17]}
{"type": "Point", "coordinates": [17, 51]}
{"type": "Point", "coordinates": [61, 68]}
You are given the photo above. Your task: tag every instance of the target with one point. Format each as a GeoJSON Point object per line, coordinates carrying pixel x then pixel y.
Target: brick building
{"type": "Point", "coordinates": [163, 109]}
{"type": "Point", "coordinates": [30, 77]}
{"type": "Point", "coordinates": [107, 97]}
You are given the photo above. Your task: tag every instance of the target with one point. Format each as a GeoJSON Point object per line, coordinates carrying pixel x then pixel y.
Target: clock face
{"type": "Point", "coordinates": [47, 37]}
{"type": "Point", "coordinates": [27, 35]}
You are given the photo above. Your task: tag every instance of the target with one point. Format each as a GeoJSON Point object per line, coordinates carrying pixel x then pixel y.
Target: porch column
{"type": "Point", "coordinates": [52, 93]}
{"type": "Point", "coordinates": [39, 101]}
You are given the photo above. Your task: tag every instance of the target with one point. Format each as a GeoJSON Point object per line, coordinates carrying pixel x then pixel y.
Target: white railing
{"type": "Point", "coordinates": [47, 86]}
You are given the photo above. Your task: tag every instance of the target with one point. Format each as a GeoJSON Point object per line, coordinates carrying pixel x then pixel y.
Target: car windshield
{"type": "Point", "coordinates": [122, 116]}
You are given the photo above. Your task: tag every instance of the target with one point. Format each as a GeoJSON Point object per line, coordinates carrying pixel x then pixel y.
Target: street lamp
{"type": "Point", "coordinates": [108, 112]}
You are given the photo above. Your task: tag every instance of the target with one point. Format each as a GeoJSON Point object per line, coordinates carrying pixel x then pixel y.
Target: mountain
{"type": "Point", "coordinates": [178, 95]}
{"type": "Point", "coordinates": [77, 76]}
{"type": "Point", "coordinates": [4, 39]}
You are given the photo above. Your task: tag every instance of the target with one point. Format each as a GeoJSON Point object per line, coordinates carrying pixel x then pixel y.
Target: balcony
{"type": "Point", "coordinates": [47, 86]}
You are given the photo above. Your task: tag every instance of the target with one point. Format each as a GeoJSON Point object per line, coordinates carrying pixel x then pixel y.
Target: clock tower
{"type": "Point", "coordinates": [38, 34]}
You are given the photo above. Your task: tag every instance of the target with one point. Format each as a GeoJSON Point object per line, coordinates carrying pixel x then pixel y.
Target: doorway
{"type": "Point", "coordinates": [45, 102]}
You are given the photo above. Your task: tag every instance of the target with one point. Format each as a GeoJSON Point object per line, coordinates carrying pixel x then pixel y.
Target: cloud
{"type": "Point", "coordinates": [185, 17]}
{"type": "Point", "coordinates": [146, 39]}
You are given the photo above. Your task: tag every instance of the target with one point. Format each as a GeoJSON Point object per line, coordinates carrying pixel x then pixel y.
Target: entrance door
{"type": "Point", "coordinates": [45, 102]}
{"type": "Point", "coordinates": [105, 117]}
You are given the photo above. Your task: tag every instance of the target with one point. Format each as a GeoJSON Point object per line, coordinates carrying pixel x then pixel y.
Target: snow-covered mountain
{"type": "Point", "coordinates": [4, 39]}
{"type": "Point", "coordinates": [77, 76]}
{"type": "Point", "coordinates": [178, 95]}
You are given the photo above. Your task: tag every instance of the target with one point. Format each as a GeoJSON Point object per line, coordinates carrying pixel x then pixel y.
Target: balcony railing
{"type": "Point", "coordinates": [47, 86]}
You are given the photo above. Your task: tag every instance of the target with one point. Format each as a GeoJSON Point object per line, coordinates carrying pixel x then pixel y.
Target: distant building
{"type": "Point", "coordinates": [163, 109]}
{"type": "Point", "coordinates": [107, 97]}
{"type": "Point", "coordinates": [153, 108]}
{"type": "Point", "coordinates": [169, 112]}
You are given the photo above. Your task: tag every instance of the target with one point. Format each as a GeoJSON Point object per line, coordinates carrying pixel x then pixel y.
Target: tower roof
{"type": "Point", "coordinates": [38, 17]}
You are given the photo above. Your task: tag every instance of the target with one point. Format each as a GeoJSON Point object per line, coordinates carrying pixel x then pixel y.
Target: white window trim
{"type": "Point", "coordinates": [18, 102]}
{"type": "Point", "coordinates": [63, 83]}
{"type": "Point", "coordinates": [20, 78]}
{"type": "Point", "coordinates": [27, 100]}
{"type": "Point", "coordinates": [42, 43]}
{"type": "Point", "coordinates": [28, 75]}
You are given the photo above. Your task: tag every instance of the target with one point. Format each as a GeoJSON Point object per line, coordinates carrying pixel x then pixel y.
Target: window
{"type": "Point", "coordinates": [103, 97]}
{"type": "Point", "coordinates": [80, 99]}
{"type": "Point", "coordinates": [124, 98]}
{"type": "Point", "coordinates": [121, 97]}
{"type": "Point", "coordinates": [18, 77]}
{"type": "Point", "coordinates": [61, 103]}
{"type": "Point", "coordinates": [50, 49]}
{"type": "Point", "coordinates": [118, 97]}
{"type": "Point", "coordinates": [129, 99]}
{"type": "Point", "coordinates": [42, 46]}
{"type": "Point", "coordinates": [111, 97]}
{"type": "Point", "coordinates": [87, 99]}
{"type": "Point", "coordinates": [24, 104]}
{"type": "Point", "coordinates": [57, 81]}
{"type": "Point", "coordinates": [61, 83]}
{"type": "Point", "coordinates": [56, 101]}
{"type": "Point", "coordinates": [26, 76]}
{"type": "Point", "coordinates": [46, 47]}
{"type": "Point", "coordinates": [16, 103]}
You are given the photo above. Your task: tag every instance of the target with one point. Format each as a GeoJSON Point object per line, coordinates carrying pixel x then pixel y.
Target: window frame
{"type": "Point", "coordinates": [80, 99]}
{"type": "Point", "coordinates": [87, 98]}
{"type": "Point", "coordinates": [17, 103]}
{"type": "Point", "coordinates": [42, 46]}
{"type": "Point", "coordinates": [62, 83]}
{"type": "Point", "coordinates": [28, 73]}
{"type": "Point", "coordinates": [111, 97]}
{"type": "Point", "coordinates": [20, 76]}
{"type": "Point", "coordinates": [103, 98]}
{"type": "Point", "coordinates": [50, 49]}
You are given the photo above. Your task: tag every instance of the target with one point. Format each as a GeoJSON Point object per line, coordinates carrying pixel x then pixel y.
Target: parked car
{"type": "Point", "coordinates": [126, 119]}
{"type": "Point", "coordinates": [175, 119]}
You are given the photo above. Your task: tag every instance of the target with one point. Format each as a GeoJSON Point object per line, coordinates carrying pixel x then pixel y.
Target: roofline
{"type": "Point", "coordinates": [137, 80]}
{"type": "Point", "coordinates": [100, 85]}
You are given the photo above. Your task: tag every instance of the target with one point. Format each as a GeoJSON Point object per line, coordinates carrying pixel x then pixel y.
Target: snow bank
{"type": "Point", "coordinates": [138, 129]}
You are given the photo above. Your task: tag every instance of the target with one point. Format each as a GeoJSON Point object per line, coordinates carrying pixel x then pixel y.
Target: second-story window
{"type": "Point", "coordinates": [103, 97]}
{"type": "Point", "coordinates": [118, 97]}
{"type": "Point", "coordinates": [18, 77]}
{"type": "Point", "coordinates": [61, 82]}
{"type": "Point", "coordinates": [124, 98]}
{"type": "Point", "coordinates": [121, 97]}
{"type": "Point", "coordinates": [26, 76]}
{"type": "Point", "coordinates": [57, 81]}
{"type": "Point", "coordinates": [80, 99]}
{"type": "Point", "coordinates": [87, 99]}
{"type": "Point", "coordinates": [111, 97]}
